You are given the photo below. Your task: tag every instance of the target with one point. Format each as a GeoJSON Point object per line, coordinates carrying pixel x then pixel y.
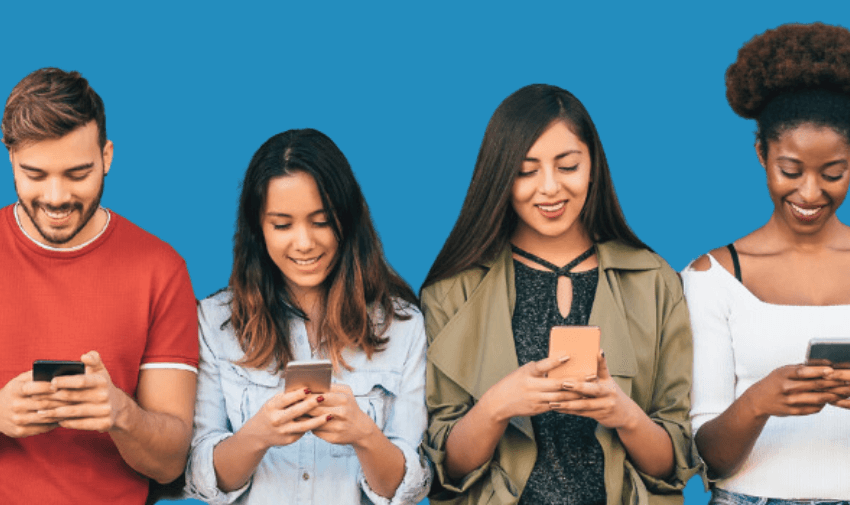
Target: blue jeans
{"type": "Point", "coordinates": [723, 497]}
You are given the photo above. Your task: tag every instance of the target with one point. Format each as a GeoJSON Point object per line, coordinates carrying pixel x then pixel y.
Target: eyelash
{"type": "Point", "coordinates": [320, 224]}
{"type": "Point", "coordinates": [563, 169]}
{"type": "Point", "coordinates": [827, 178]}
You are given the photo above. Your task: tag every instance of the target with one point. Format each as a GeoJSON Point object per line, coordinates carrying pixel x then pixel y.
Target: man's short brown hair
{"type": "Point", "coordinates": [48, 104]}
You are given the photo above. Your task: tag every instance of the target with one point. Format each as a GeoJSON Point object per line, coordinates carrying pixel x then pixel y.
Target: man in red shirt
{"type": "Point", "coordinates": [80, 282]}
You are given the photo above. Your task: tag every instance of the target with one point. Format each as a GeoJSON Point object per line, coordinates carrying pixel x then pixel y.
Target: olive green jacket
{"type": "Point", "coordinates": [646, 337]}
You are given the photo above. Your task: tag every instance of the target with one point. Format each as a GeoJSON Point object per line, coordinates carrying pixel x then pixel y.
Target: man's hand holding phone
{"type": "Point", "coordinates": [89, 401]}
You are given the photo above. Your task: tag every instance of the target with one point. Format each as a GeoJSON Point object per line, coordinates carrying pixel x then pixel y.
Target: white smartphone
{"type": "Point", "coordinates": [833, 352]}
{"type": "Point", "coordinates": [313, 375]}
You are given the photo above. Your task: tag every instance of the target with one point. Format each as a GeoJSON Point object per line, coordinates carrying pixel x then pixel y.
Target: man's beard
{"type": "Point", "coordinates": [62, 236]}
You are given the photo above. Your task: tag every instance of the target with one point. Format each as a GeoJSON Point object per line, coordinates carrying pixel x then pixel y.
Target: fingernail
{"type": "Point", "coordinates": [590, 378]}
{"type": "Point", "coordinates": [307, 391]}
{"type": "Point", "coordinates": [554, 405]}
{"type": "Point", "coordinates": [603, 353]}
{"type": "Point", "coordinates": [330, 416]}
{"type": "Point", "coordinates": [563, 359]}
{"type": "Point", "coordinates": [568, 385]}
{"type": "Point", "coordinates": [320, 399]}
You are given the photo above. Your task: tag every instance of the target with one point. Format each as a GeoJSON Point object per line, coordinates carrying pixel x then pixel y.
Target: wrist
{"type": "Point", "coordinates": [369, 434]}
{"type": "Point", "coordinates": [749, 401]}
{"type": "Point", "coordinates": [491, 409]}
{"type": "Point", "coordinates": [125, 410]}
{"type": "Point", "coordinates": [633, 418]}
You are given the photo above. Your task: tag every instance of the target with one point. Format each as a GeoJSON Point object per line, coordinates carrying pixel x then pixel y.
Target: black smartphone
{"type": "Point", "coordinates": [47, 369]}
{"type": "Point", "coordinates": [315, 375]}
{"type": "Point", "coordinates": [833, 352]}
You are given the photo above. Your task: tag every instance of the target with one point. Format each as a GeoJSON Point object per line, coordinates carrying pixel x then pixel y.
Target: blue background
{"type": "Point", "coordinates": [406, 92]}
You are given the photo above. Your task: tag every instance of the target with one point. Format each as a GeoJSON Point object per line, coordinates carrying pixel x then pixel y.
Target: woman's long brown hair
{"type": "Point", "coordinates": [362, 292]}
{"type": "Point", "coordinates": [487, 220]}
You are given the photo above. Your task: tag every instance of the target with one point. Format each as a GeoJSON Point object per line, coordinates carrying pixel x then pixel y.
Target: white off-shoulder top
{"type": "Point", "coordinates": [738, 340]}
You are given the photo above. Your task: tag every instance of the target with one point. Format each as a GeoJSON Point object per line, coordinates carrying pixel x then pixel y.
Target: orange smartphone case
{"type": "Point", "coordinates": [581, 344]}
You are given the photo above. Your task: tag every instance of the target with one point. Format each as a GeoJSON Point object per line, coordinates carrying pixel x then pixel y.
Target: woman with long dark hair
{"type": "Point", "coordinates": [309, 281]}
{"type": "Point", "coordinates": [767, 425]}
{"type": "Point", "coordinates": [541, 242]}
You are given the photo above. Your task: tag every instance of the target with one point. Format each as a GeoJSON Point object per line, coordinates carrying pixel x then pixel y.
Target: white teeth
{"type": "Point", "coordinates": [805, 212]}
{"type": "Point", "coordinates": [305, 262]}
{"type": "Point", "coordinates": [57, 215]}
{"type": "Point", "coordinates": [551, 208]}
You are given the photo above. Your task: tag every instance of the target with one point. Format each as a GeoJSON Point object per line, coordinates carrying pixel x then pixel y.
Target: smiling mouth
{"type": "Point", "coordinates": [57, 215]}
{"type": "Point", "coordinates": [305, 262]}
{"type": "Point", "coordinates": [806, 212]}
{"type": "Point", "coordinates": [552, 208]}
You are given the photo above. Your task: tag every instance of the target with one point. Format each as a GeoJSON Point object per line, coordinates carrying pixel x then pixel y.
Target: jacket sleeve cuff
{"type": "Point", "coordinates": [201, 481]}
{"type": "Point", "coordinates": [685, 462]}
{"type": "Point", "coordinates": [414, 485]}
{"type": "Point", "coordinates": [456, 486]}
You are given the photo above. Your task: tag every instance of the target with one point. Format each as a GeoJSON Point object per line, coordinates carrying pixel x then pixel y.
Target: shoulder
{"type": "Point", "coordinates": [721, 254]}
{"type": "Point", "coordinates": [214, 310]}
{"type": "Point", "coordinates": [639, 265]}
{"type": "Point", "coordinates": [141, 246]}
{"type": "Point", "coordinates": [458, 286]}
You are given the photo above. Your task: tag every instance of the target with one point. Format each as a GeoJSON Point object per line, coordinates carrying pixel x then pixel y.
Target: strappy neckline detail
{"type": "Point", "coordinates": [559, 271]}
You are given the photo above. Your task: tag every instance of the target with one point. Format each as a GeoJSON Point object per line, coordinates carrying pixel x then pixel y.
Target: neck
{"type": "Point", "coordinates": [559, 249]}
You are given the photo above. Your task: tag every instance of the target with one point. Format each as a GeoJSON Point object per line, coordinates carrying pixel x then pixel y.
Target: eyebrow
{"type": "Point", "coordinates": [84, 166]}
{"type": "Point", "coordinates": [559, 156]}
{"type": "Point", "coordinates": [283, 214]}
{"type": "Point", "coordinates": [798, 162]}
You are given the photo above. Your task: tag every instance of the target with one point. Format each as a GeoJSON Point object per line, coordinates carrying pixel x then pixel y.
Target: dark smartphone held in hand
{"type": "Point", "coordinates": [831, 352]}
{"type": "Point", "coordinates": [312, 375]}
{"type": "Point", "coordinates": [581, 344]}
{"type": "Point", "coordinates": [46, 369]}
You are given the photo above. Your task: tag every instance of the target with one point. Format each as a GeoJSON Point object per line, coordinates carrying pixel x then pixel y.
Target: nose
{"type": "Point", "coordinates": [304, 238]}
{"type": "Point", "coordinates": [548, 184]}
{"type": "Point", "coordinates": [810, 189]}
{"type": "Point", "coordinates": [55, 193]}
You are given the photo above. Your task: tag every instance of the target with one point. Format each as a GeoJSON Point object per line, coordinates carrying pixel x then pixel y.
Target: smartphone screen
{"type": "Point", "coordinates": [834, 352]}
{"type": "Point", "coordinates": [581, 344]}
{"type": "Point", "coordinates": [315, 375]}
{"type": "Point", "coordinates": [47, 369]}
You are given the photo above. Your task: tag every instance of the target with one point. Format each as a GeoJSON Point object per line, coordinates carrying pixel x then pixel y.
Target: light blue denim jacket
{"type": "Point", "coordinates": [390, 388]}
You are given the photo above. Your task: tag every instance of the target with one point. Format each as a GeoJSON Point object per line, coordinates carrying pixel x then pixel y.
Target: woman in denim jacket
{"type": "Point", "coordinates": [309, 281]}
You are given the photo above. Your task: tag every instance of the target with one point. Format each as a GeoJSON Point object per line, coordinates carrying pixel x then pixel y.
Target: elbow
{"type": "Point", "coordinates": [167, 474]}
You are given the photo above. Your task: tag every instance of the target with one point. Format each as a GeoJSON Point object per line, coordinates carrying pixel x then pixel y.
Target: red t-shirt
{"type": "Point", "coordinates": [126, 295]}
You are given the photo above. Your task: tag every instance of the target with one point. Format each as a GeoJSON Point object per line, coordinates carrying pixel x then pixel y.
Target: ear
{"type": "Point", "coordinates": [107, 157]}
{"type": "Point", "coordinates": [758, 153]}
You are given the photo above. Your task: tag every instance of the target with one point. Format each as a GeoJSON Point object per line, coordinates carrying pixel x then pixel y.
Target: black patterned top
{"type": "Point", "coordinates": [570, 464]}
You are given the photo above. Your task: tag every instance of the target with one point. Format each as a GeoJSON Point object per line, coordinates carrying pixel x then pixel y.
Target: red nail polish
{"type": "Point", "coordinates": [320, 399]}
{"type": "Point", "coordinates": [307, 391]}
{"type": "Point", "coordinates": [330, 416]}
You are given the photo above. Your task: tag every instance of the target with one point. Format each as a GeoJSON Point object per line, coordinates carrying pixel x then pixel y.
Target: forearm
{"type": "Point", "coordinates": [726, 441]}
{"type": "Point", "coordinates": [473, 439]}
{"type": "Point", "coordinates": [382, 463]}
{"type": "Point", "coordinates": [154, 444]}
{"type": "Point", "coordinates": [235, 460]}
{"type": "Point", "coordinates": [648, 445]}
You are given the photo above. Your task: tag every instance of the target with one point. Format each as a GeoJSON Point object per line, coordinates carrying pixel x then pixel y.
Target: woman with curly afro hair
{"type": "Point", "coordinates": [766, 425]}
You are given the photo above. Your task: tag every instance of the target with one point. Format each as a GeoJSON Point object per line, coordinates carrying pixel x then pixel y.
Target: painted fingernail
{"type": "Point", "coordinates": [563, 359]}
{"type": "Point", "coordinates": [590, 378]}
{"type": "Point", "coordinates": [554, 405]}
{"type": "Point", "coordinates": [330, 416]}
{"type": "Point", "coordinates": [307, 391]}
{"type": "Point", "coordinates": [568, 385]}
{"type": "Point", "coordinates": [320, 399]}
{"type": "Point", "coordinates": [603, 353]}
